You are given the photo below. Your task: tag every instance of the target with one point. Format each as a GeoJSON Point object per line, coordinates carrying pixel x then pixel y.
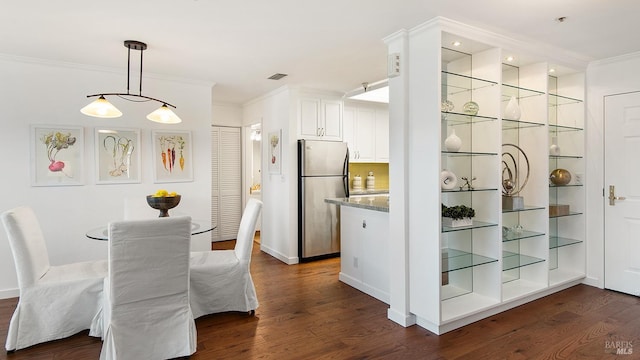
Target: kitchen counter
{"type": "Point", "coordinates": [376, 203]}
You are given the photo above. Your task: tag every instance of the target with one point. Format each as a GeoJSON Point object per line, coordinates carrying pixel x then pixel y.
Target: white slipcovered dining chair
{"type": "Point", "coordinates": [146, 313]}
{"type": "Point", "coordinates": [220, 279]}
{"type": "Point", "coordinates": [55, 301]}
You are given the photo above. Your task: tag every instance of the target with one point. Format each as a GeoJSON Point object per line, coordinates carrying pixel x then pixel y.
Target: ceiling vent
{"type": "Point", "coordinates": [276, 76]}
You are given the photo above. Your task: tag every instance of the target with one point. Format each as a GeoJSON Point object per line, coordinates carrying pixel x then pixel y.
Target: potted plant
{"type": "Point", "coordinates": [459, 215]}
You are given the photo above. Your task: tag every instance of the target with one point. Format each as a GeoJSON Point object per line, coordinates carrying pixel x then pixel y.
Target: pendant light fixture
{"type": "Point", "coordinates": [102, 108]}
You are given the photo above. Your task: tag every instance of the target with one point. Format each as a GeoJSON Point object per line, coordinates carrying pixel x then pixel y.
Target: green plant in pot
{"type": "Point", "coordinates": [459, 215]}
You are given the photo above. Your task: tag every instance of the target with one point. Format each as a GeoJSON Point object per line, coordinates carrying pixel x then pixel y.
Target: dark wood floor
{"type": "Point", "coordinates": [306, 313]}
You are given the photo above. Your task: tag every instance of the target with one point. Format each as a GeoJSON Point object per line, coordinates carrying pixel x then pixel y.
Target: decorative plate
{"type": "Point", "coordinates": [471, 108]}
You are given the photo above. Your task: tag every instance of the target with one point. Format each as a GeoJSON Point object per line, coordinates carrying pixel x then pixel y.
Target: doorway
{"type": "Point", "coordinates": [253, 168]}
{"type": "Point", "coordinates": [622, 193]}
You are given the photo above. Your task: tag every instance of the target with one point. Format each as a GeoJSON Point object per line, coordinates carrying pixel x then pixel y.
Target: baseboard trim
{"type": "Point", "coordinates": [285, 259]}
{"type": "Point", "coordinates": [9, 293]}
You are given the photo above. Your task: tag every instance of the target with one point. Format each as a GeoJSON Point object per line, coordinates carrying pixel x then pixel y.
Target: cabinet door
{"type": "Point", "coordinates": [365, 134]}
{"type": "Point", "coordinates": [331, 120]}
{"type": "Point", "coordinates": [309, 118]}
{"type": "Point", "coordinates": [382, 136]}
{"type": "Point", "coordinates": [375, 251]}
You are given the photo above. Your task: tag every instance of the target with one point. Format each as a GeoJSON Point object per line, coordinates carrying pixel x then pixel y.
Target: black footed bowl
{"type": "Point", "coordinates": [163, 203]}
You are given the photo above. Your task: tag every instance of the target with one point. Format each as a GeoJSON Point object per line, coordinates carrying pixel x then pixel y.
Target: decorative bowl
{"type": "Point", "coordinates": [560, 177]}
{"type": "Point", "coordinates": [163, 203]}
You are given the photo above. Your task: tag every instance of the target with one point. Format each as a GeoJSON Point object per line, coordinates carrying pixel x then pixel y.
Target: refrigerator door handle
{"type": "Point", "coordinates": [345, 174]}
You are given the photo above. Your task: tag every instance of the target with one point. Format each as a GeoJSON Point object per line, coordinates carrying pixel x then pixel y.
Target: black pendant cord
{"type": "Point", "coordinates": [129, 67]}
{"type": "Point", "coordinates": [141, 52]}
{"type": "Point", "coordinates": [128, 96]}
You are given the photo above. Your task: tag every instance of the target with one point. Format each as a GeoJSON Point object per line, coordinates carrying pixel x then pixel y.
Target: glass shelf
{"type": "Point", "coordinates": [571, 213]}
{"type": "Point", "coordinates": [453, 260]}
{"type": "Point", "coordinates": [455, 118]}
{"type": "Point", "coordinates": [512, 260]}
{"type": "Point", "coordinates": [526, 208]}
{"type": "Point", "coordinates": [467, 153]}
{"type": "Point", "coordinates": [517, 124]}
{"type": "Point", "coordinates": [559, 157]}
{"type": "Point", "coordinates": [557, 241]}
{"type": "Point", "coordinates": [559, 100]}
{"type": "Point", "coordinates": [524, 234]}
{"type": "Point", "coordinates": [561, 128]}
{"type": "Point", "coordinates": [454, 87]}
{"type": "Point", "coordinates": [564, 186]}
{"type": "Point", "coordinates": [464, 191]}
{"type": "Point", "coordinates": [518, 92]}
{"type": "Point", "coordinates": [476, 225]}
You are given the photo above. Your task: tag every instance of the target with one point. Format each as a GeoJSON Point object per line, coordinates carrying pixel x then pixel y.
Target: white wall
{"type": "Point", "coordinates": [40, 92]}
{"type": "Point", "coordinates": [604, 77]}
{"type": "Point", "coordinates": [225, 114]}
{"type": "Point", "coordinates": [279, 232]}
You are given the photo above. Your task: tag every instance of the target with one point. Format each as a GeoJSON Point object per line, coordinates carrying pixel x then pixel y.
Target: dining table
{"type": "Point", "coordinates": [198, 226]}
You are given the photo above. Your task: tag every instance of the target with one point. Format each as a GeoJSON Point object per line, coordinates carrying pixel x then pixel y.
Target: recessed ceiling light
{"type": "Point", "coordinates": [510, 58]}
{"type": "Point", "coordinates": [456, 43]}
{"type": "Point", "coordinates": [552, 70]}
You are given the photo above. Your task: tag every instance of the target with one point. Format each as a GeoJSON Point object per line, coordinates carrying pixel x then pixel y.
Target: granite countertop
{"type": "Point", "coordinates": [376, 203]}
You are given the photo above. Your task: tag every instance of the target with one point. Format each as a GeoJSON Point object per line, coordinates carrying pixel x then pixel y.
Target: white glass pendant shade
{"type": "Point", "coordinates": [164, 115]}
{"type": "Point", "coordinates": [101, 108]}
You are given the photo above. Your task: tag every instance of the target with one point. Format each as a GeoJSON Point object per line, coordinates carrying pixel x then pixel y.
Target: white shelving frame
{"type": "Point", "coordinates": [442, 298]}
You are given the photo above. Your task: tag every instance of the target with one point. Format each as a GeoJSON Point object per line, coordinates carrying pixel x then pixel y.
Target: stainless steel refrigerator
{"type": "Point", "coordinates": [322, 173]}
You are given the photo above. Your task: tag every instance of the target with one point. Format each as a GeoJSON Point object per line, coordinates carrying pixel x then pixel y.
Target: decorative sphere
{"type": "Point", "coordinates": [163, 203]}
{"type": "Point", "coordinates": [560, 177]}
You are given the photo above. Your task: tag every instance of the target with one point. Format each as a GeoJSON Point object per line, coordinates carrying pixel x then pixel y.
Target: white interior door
{"type": "Point", "coordinates": [622, 173]}
{"type": "Point", "coordinates": [226, 182]}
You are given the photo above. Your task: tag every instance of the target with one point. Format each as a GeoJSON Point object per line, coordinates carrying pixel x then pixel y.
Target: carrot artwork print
{"type": "Point", "coordinates": [169, 145]}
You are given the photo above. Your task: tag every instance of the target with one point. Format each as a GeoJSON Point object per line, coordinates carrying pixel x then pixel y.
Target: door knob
{"type": "Point", "coordinates": [613, 197]}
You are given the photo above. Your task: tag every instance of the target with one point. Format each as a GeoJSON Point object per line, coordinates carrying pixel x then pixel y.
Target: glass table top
{"type": "Point", "coordinates": [197, 227]}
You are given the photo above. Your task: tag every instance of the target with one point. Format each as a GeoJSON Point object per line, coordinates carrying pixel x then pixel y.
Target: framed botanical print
{"type": "Point", "coordinates": [57, 155]}
{"type": "Point", "coordinates": [117, 153]}
{"type": "Point", "coordinates": [275, 152]}
{"type": "Point", "coordinates": [172, 157]}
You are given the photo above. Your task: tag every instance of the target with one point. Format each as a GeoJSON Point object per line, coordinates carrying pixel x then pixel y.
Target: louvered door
{"type": "Point", "coordinates": [226, 182]}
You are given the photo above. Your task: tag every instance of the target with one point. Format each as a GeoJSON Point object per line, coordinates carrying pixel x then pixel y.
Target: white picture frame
{"type": "Point", "coordinates": [274, 145]}
{"type": "Point", "coordinates": [117, 155]}
{"type": "Point", "coordinates": [57, 155]}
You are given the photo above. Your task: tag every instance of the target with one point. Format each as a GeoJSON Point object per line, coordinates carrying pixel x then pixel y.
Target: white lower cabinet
{"type": "Point", "coordinates": [364, 255]}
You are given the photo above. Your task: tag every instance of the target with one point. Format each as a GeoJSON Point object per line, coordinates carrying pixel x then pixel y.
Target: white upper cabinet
{"type": "Point", "coordinates": [320, 118]}
{"type": "Point", "coordinates": [366, 131]}
{"type": "Point", "coordinates": [382, 135]}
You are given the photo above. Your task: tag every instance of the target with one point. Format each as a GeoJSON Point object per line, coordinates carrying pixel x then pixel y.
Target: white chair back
{"type": "Point", "coordinates": [148, 258]}
{"type": "Point", "coordinates": [147, 312]}
{"type": "Point", "coordinates": [27, 245]}
{"type": "Point", "coordinates": [247, 229]}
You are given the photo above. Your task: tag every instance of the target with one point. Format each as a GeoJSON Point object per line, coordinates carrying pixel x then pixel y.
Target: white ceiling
{"type": "Point", "coordinates": [324, 44]}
